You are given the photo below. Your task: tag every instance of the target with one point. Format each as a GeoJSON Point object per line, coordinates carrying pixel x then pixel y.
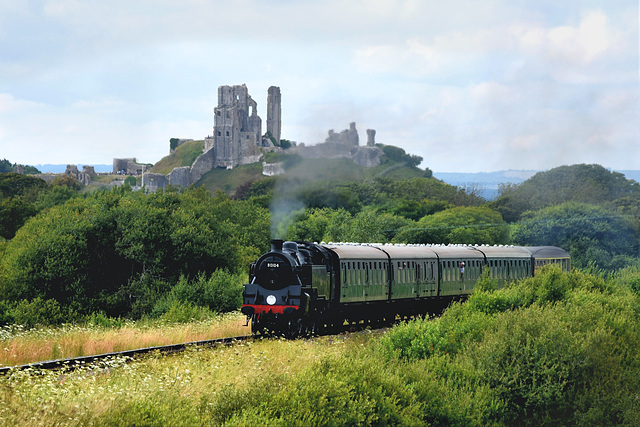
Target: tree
{"type": "Point", "coordinates": [311, 225]}
{"type": "Point", "coordinates": [583, 183]}
{"type": "Point", "coordinates": [14, 212]}
{"type": "Point", "coordinates": [469, 225]}
{"type": "Point", "coordinates": [119, 251]}
{"type": "Point", "coordinates": [587, 232]}
{"type": "Point", "coordinates": [6, 166]}
{"type": "Point", "coordinates": [67, 181]}
{"type": "Point", "coordinates": [413, 209]}
{"type": "Point", "coordinates": [14, 185]}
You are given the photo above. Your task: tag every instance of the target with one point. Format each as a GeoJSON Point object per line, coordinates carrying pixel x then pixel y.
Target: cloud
{"type": "Point", "coordinates": [8, 104]}
{"type": "Point", "coordinates": [503, 85]}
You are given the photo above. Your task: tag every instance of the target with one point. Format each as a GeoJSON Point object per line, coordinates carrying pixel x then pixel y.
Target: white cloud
{"type": "Point", "coordinates": [504, 84]}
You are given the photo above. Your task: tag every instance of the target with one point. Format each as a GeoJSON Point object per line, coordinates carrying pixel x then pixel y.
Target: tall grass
{"type": "Point", "coordinates": [558, 349]}
{"type": "Point", "coordinates": [197, 387]}
{"type": "Point", "coordinates": [19, 346]}
{"type": "Point", "coordinates": [184, 155]}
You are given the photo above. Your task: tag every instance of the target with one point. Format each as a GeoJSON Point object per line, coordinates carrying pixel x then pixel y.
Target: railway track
{"type": "Point", "coordinates": [75, 362]}
{"type": "Point", "coordinates": [84, 360]}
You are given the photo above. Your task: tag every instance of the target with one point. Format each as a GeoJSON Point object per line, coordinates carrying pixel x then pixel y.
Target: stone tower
{"type": "Point", "coordinates": [371, 137]}
{"type": "Point", "coordinates": [236, 125]}
{"type": "Point", "coordinates": [274, 113]}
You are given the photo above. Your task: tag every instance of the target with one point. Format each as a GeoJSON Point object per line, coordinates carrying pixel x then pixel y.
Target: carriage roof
{"type": "Point", "coordinates": [380, 251]}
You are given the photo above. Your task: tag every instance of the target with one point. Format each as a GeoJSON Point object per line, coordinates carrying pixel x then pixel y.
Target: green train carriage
{"type": "Point", "coordinates": [339, 282]}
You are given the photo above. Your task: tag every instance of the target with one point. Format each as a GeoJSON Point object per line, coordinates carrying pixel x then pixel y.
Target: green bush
{"type": "Point", "coordinates": [351, 389]}
{"type": "Point", "coordinates": [556, 348]}
{"type": "Point", "coordinates": [219, 293]}
{"type": "Point", "coordinates": [184, 312]}
{"type": "Point", "coordinates": [131, 181]}
{"type": "Point", "coordinates": [39, 312]}
{"type": "Point", "coordinates": [120, 252]}
{"type": "Point", "coordinates": [100, 319]}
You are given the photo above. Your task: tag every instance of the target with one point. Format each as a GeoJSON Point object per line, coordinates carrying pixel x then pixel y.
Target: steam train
{"type": "Point", "coordinates": [300, 287]}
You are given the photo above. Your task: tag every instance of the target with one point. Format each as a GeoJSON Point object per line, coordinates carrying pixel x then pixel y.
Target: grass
{"type": "Point", "coordinates": [307, 170]}
{"type": "Point", "coordinates": [100, 182]}
{"type": "Point", "coordinates": [184, 155]}
{"type": "Point", "coordinates": [228, 181]}
{"type": "Point", "coordinates": [557, 349]}
{"type": "Point", "coordinates": [19, 346]}
{"type": "Point", "coordinates": [196, 387]}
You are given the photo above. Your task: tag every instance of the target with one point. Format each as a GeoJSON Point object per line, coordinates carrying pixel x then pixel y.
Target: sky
{"type": "Point", "coordinates": [470, 86]}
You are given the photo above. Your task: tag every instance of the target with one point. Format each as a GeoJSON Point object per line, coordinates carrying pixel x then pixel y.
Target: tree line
{"type": "Point", "coordinates": [67, 255]}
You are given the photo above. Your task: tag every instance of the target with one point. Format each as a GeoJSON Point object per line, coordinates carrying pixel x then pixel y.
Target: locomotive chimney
{"type": "Point", "coordinates": [276, 245]}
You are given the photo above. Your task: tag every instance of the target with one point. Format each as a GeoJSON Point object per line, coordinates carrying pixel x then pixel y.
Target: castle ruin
{"type": "Point", "coordinates": [274, 113]}
{"type": "Point", "coordinates": [238, 140]}
{"type": "Point", "coordinates": [237, 131]}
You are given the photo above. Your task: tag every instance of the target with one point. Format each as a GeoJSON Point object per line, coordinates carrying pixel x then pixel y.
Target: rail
{"type": "Point", "coordinates": [83, 360]}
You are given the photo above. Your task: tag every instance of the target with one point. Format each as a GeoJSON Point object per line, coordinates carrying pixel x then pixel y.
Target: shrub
{"type": "Point", "coordinates": [40, 312]}
{"type": "Point", "coordinates": [220, 292]}
{"type": "Point", "coordinates": [131, 181]}
{"type": "Point", "coordinates": [556, 348]}
{"type": "Point", "coordinates": [182, 312]}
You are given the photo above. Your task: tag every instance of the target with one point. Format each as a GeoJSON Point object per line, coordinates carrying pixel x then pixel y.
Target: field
{"type": "Point", "coordinates": [556, 349]}
{"type": "Point", "coordinates": [197, 387]}
{"type": "Point", "coordinates": [19, 346]}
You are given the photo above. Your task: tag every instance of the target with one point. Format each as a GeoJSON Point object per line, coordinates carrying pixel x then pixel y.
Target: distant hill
{"type": "Point", "coordinates": [581, 183]}
{"type": "Point", "coordinates": [49, 168]}
{"type": "Point", "coordinates": [489, 182]}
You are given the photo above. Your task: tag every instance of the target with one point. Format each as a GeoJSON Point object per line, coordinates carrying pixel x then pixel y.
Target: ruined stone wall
{"type": "Point", "coordinates": [202, 165]}
{"type": "Point", "coordinates": [154, 181]}
{"type": "Point", "coordinates": [180, 177]}
{"type": "Point", "coordinates": [371, 137]}
{"type": "Point", "coordinates": [48, 177]}
{"type": "Point", "coordinates": [274, 112]}
{"type": "Point", "coordinates": [347, 136]}
{"type": "Point", "coordinates": [209, 143]}
{"type": "Point", "coordinates": [129, 166]}
{"type": "Point", "coordinates": [367, 156]}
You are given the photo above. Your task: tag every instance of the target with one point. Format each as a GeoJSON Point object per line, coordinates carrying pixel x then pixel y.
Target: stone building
{"type": "Point", "coordinates": [83, 176]}
{"type": "Point", "coordinates": [237, 129]}
{"type": "Point", "coordinates": [238, 140]}
{"type": "Point", "coordinates": [127, 167]}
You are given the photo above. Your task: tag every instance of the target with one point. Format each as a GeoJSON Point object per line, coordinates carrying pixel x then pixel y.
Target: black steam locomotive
{"type": "Point", "coordinates": [300, 287]}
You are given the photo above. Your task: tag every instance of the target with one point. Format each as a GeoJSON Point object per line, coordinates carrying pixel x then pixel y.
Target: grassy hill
{"type": "Point", "coordinates": [306, 170]}
{"type": "Point", "coordinates": [184, 155]}
{"type": "Point", "coordinates": [228, 181]}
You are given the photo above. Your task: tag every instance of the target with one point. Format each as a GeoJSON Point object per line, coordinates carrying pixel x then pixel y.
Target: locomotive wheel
{"type": "Point", "coordinates": [293, 328]}
{"type": "Point", "coordinates": [255, 327]}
